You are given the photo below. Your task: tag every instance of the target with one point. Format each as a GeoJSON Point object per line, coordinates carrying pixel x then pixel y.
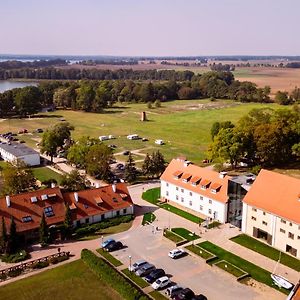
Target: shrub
{"type": "Point", "coordinates": [14, 273]}
{"type": "Point", "coordinates": [56, 260]}
{"type": "Point", "coordinates": [3, 276]}
{"type": "Point", "coordinates": [40, 265]}
{"type": "Point", "coordinates": [16, 257]}
{"type": "Point", "coordinates": [112, 277]}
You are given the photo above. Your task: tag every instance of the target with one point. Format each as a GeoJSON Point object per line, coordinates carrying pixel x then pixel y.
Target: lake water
{"type": "Point", "coordinates": [6, 85]}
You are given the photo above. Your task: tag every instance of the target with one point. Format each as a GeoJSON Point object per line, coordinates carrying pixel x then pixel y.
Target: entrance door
{"type": "Point", "coordinates": [291, 250]}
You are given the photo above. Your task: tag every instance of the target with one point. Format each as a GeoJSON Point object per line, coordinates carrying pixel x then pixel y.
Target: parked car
{"type": "Point", "coordinates": [112, 146]}
{"type": "Point", "coordinates": [39, 130]}
{"type": "Point", "coordinates": [113, 246]}
{"type": "Point", "coordinates": [173, 290]}
{"type": "Point", "coordinates": [159, 142]}
{"type": "Point", "coordinates": [176, 253]}
{"type": "Point", "coordinates": [137, 265]}
{"type": "Point", "coordinates": [185, 294]}
{"type": "Point", "coordinates": [107, 242]}
{"type": "Point", "coordinates": [161, 282]}
{"type": "Point", "coordinates": [145, 270]}
{"type": "Point", "coordinates": [23, 130]}
{"type": "Point", "coordinates": [199, 297]}
{"type": "Point", "coordinates": [133, 137]}
{"type": "Point", "coordinates": [126, 152]}
{"type": "Point", "coordinates": [155, 275]}
{"type": "Point", "coordinates": [145, 140]}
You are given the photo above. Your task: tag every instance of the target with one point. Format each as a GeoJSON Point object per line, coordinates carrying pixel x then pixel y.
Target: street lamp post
{"type": "Point", "coordinates": [102, 240]}
{"type": "Point", "coordinates": [130, 263]}
{"type": "Point", "coordinates": [169, 218]}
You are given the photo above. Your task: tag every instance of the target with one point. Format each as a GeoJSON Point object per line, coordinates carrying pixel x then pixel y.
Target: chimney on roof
{"type": "Point", "coordinates": [222, 174]}
{"type": "Point", "coordinates": [187, 162]}
{"type": "Point", "coordinates": [114, 187]}
{"type": "Point", "coordinates": [53, 185]}
{"type": "Point", "coordinates": [76, 197]}
{"type": "Point", "coordinates": [7, 198]}
{"type": "Point", "coordinates": [97, 185]}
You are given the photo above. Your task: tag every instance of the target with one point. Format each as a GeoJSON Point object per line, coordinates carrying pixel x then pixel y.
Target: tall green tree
{"type": "Point", "coordinates": [68, 223]}
{"type": "Point", "coordinates": [146, 168]}
{"type": "Point", "coordinates": [130, 172]}
{"type": "Point", "coordinates": [159, 163]}
{"type": "Point", "coordinates": [74, 181]}
{"type": "Point", "coordinates": [13, 237]}
{"type": "Point", "coordinates": [44, 231]}
{"type": "Point", "coordinates": [4, 237]}
{"type": "Point", "coordinates": [17, 178]}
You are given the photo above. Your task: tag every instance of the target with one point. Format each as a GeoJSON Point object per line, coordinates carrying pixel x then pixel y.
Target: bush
{"type": "Point", "coordinates": [112, 277]}
{"type": "Point", "coordinates": [3, 276]}
{"type": "Point", "coordinates": [90, 229]}
{"type": "Point", "coordinates": [14, 273]}
{"type": "Point", "coordinates": [16, 257]}
{"type": "Point", "coordinates": [56, 260]}
{"type": "Point", "coordinates": [40, 265]}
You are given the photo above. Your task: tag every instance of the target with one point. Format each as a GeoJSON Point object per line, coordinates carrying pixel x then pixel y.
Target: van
{"type": "Point", "coordinates": [133, 137]}
{"type": "Point", "coordinates": [159, 142]}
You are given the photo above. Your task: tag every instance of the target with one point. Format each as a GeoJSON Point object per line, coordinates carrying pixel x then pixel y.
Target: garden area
{"type": "Point", "coordinates": [186, 234]}
{"type": "Point", "coordinates": [268, 251]}
{"type": "Point", "coordinates": [200, 251]}
{"type": "Point", "coordinates": [148, 218]}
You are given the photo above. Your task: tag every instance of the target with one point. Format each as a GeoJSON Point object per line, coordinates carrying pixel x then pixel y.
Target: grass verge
{"type": "Point", "coordinates": [152, 196]}
{"type": "Point", "coordinates": [226, 266]}
{"type": "Point", "coordinates": [69, 281]}
{"type": "Point", "coordinates": [255, 271]}
{"type": "Point", "coordinates": [186, 234]}
{"type": "Point", "coordinates": [199, 251]}
{"type": "Point", "coordinates": [112, 277]}
{"type": "Point", "coordinates": [213, 224]}
{"type": "Point", "coordinates": [267, 251]}
{"type": "Point", "coordinates": [157, 295]}
{"type": "Point", "coordinates": [109, 257]}
{"type": "Point", "coordinates": [148, 218]}
{"type": "Point", "coordinates": [138, 280]}
{"type": "Point", "coordinates": [172, 237]}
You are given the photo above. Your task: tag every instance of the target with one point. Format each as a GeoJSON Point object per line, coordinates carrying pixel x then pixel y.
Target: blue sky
{"type": "Point", "coordinates": [150, 27]}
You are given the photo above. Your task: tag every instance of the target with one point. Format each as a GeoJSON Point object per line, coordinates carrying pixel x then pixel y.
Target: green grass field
{"type": "Point", "coordinates": [148, 218]}
{"type": "Point", "coordinates": [199, 251]}
{"type": "Point", "coordinates": [71, 281]}
{"type": "Point", "coordinates": [109, 257]}
{"type": "Point", "coordinates": [267, 251]}
{"type": "Point", "coordinates": [183, 125]}
{"type": "Point", "coordinates": [226, 266]}
{"type": "Point", "coordinates": [172, 236]}
{"type": "Point", "coordinates": [44, 173]}
{"type": "Point", "coordinates": [186, 234]}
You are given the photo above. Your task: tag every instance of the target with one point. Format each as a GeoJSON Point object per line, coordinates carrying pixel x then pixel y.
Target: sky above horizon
{"type": "Point", "coordinates": [150, 27]}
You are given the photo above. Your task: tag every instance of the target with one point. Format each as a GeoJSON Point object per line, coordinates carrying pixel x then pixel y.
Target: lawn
{"type": "Point", "coordinates": [226, 266]}
{"type": "Point", "coordinates": [153, 195]}
{"type": "Point", "coordinates": [172, 237]}
{"type": "Point", "coordinates": [267, 251]}
{"type": "Point", "coordinates": [255, 271]}
{"type": "Point", "coordinates": [70, 281]}
{"type": "Point", "coordinates": [138, 280]}
{"type": "Point", "coordinates": [44, 173]}
{"type": "Point", "coordinates": [181, 118]}
{"type": "Point", "coordinates": [148, 218]}
{"type": "Point", "coordinates": [157, 295]}
{"type": "Point", "coordinates": [199, 251]}
{"type": "Point", "coordinates": [109, 257]}
{"type": "Point", "coordinates": [186, 234]}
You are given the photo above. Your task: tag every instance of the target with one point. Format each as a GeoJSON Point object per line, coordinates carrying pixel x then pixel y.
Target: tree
{"type": "Point", "coordinates": [13, 237]}
{"type": "Point", "coordinates": [97, 161]}
{"type": "Point", "coordinates": [44, 232]}
{"type": "Point", "coordinates": [216, 126]}
{"type": "Point", "coordinates": [283, 98]}
{"type": "Point", "coordinates": [17, 178]}
{"type": "Point", "coordinates": [296, 94]}
{"type": "Point", "coordinates": [146, 168]}
{"type": "Point", "coordinates": [158, 163]}
{"type": "Point", "coordinates": [68, 223]}
{"type": "Point", "coordinates": [130, 172]}
{"type": "Point", "coordinates": [4, 237]}
{"type": "Point", "coordinates": [86, 96]}
{"type": "Point", "coordinates": [74, 181]}
{"type": "Point", "coordinates": [55, 137]}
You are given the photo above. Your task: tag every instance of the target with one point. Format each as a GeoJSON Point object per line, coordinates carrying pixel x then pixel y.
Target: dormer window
{"type": "Point", "coordinates": [26, 219]}
{"type": "Point", "coordinates": [204, 184]}
{"type": "Point", "coordinates": [49, 211]}
{"type": "Point", "coordinates": [214, 191]}
{"type": "Point", "coordinates": [186, 177]}
{"type": "Point", "coordinates": [33, 199]}
{"type": "Point", "coordinates": [177, 174]}
{"type": "Point", "coordinates": [195, 180]}
{"type": "Point", "coordinates": [215, 187]}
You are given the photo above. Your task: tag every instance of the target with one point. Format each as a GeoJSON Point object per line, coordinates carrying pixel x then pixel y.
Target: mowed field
{"type": "Point", "coordinates": [72, 281]}
{"type": "Point", "coordinates": [183, 125]}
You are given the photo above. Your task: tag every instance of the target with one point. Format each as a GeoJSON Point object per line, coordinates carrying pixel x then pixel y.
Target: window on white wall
{"type": "Point", "coordinates": [182, 199]}
{"type": "Point", "coordinates": [191, 194]}
{"type": "Point", "coordinates": [167, 184]}
{"type": "Point", "coordinates": [291, 235]}
{"type": "Point", "coordinates": [201, 198]}
{"type": "Point", "coordinates": [209, 211]}
{"type": "Point", "coordinates": [182, 190]}
{"type": "Point", "coordinates": [201, 207]}
{"type": "Point", "coordinates": [264, 223]}
{"type": "Point", "coordinates": [253, 218]}
{"type": "Point", "coordinates": [176, 197]}
{"type": "Point", "coordinates": [177, 188]}
{"type": "Point", "coordinates": [282, 230]}
{"type": "Point", "coordinates": [191, 203]}
{"type": "Point", "coordinates": [210, 201]}
{"type": "Point", "coordinates": [167, 193]}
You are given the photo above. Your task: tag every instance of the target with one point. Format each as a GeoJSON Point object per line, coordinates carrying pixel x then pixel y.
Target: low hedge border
{"type": "Point", "coordinates": [124, 286]}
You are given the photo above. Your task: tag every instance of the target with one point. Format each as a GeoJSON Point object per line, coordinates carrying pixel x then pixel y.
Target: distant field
{"type": "Point", "coordinates": [71, 281]}
{"type": "Point", "coordinates": [183, 125]}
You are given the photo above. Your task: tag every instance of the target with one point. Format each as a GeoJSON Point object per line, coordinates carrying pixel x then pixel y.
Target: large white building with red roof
{"type": "Point", "coordinates": [87, 206]}
{"type": "Point", "coordinates": [202, 190]}
{"type": "Point", "coordinates": [271, 211]}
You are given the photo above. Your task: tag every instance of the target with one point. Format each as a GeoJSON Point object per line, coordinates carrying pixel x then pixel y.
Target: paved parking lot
{"type": "Point", "coordinates": [187, 271]}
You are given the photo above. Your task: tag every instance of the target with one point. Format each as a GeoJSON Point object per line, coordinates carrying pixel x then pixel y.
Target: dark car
{"type": "Point", "coordinates": [126, 152]}
{"type": "Point", "coordinates": [113, 246]}
{"type": "Point", "coordinates": [155, 275]}
{"type": "Point", "coordinates": [39, 130]}
{"type": "Point", "coordinates": [199, 297]}
{"type": "Point", "coordinates": [173, 290]}
{"type": "Point", "coordinates": [185, 294]}
{"type": "Point", "coordinates": [145, 270]}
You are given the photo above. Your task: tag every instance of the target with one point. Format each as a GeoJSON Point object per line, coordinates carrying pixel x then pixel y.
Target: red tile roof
{"type": "Point", "coordinates": [186, 176]}
{"type": "Point", "coordinates": [197, 173]}
{"type": "Point", "coordinates": [277, 194]}
{"type": "Point", "coordinates": [89, 204]}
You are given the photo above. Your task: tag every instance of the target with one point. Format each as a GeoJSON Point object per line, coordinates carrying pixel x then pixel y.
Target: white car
{"type": "Point", "coordinates": [159, 142]}
{"type": "Point", "coordinates": [176, 253]}
{"type": "Point", "coordinates": [161, 282]}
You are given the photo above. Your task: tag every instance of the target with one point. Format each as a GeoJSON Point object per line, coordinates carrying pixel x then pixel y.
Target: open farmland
{"type": "Point", "coordinates": [183, 125]}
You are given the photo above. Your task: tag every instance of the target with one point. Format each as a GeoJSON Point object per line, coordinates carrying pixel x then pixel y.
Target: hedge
{"type": "Point", "coordinates": [56, 260]}
{"type": "Point", "coordinates": [40, 265]}
{"type": "Point", "coordinates": [90, 229]}
{"type": "Point", "coordinates": [112, 277]}
{"type": "Point", "coordinates": [16, 257]}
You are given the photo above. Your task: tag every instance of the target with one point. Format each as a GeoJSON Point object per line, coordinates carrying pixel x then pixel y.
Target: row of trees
{"type": "Point", "coordinates": [264, 137]}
